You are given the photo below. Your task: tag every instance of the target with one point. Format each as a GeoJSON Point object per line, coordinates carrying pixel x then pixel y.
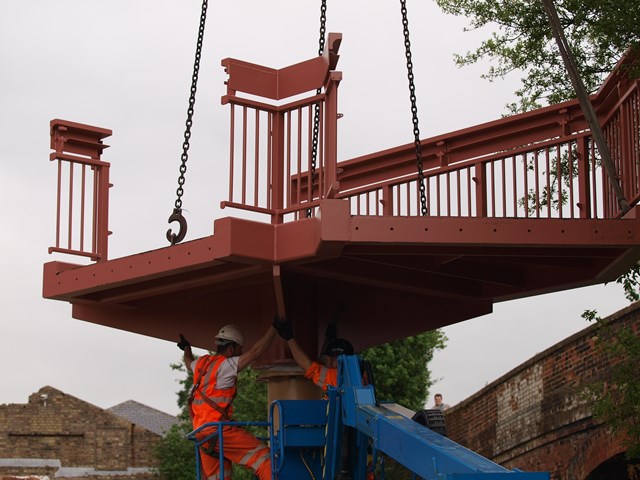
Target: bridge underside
{"type": "Point", "coordinates": [382, 278]}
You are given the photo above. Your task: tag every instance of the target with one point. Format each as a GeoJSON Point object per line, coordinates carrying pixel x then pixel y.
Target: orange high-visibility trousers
{"type": "Point", "coordinates": [240, 447]}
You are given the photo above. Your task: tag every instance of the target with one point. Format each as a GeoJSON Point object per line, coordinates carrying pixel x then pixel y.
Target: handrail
{"type": "Point", "coordinates": [523, 135]}
{"type": "Point", "coordinates": [541, 163]}
{"type": "Point", "coordinates": [79, 147]}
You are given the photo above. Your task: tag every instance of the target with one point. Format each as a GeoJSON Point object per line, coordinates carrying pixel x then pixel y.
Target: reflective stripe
{"type": "Point", "coordinates": [247, 456]}
{"type": "Point", "coordinates": [260, 461]}
{"type": "Point", "coordinates": [322, 380]}
{"type": "Point", "coordinates": [215, 476]}
{"type": "Point", "coordinates": [206, 380]}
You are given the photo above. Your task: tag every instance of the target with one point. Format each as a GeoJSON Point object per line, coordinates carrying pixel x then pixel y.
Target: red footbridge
{"type": "Point", "coordinates": [516, 207]}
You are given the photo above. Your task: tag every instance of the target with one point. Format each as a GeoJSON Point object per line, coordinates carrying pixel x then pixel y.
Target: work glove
{"type": "Point", "coordinates": [183, 343]}
{"type": "Point", "coordinates": [283, 327]}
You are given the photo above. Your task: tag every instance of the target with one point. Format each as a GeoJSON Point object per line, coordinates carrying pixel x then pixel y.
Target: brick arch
{"type": "Point", "coordinates": [600, 447]}
{"type": "Point", "coordinates": [534, 418]}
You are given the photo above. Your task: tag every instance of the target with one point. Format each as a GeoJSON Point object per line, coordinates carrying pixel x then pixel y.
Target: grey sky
{"type": "Point", "coordinates": [126, 65]}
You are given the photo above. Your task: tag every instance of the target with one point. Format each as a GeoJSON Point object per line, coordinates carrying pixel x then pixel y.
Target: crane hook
{"type": "Point", "coordinates": [176, 216]}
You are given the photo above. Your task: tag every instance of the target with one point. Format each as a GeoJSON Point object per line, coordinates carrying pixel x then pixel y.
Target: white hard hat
{"type": "Point", "coordinates": [230, 333]}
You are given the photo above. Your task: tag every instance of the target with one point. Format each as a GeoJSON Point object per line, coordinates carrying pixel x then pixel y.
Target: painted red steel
{"type": "Point", "coordinates": [273, 142]}
{"type": "Point", "coordinates": [517, 207]}
{"type": "Point", "coordinates": [78, 147]}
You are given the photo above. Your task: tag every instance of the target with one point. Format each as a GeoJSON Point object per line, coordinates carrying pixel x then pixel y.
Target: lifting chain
{"type": "Point", "coordinates": [316, 108]}
{"type": "Point", "coordinates": [176, 216]}
{"type": "Point", "coordinates": [414, 107]}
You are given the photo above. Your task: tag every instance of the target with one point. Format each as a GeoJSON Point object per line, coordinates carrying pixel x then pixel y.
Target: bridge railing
{"type": "Point", "coordinates": [540, 164]}
{"type": "Point", "coordinates": [272, 153]}
{"type": "Point", "coordinates": [283, 158]}
{"type": "Point", "coordinates": [82, 200]}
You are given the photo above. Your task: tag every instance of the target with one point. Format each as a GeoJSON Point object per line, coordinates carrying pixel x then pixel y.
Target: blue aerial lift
{"type": "Point", "coordinates": [337, 438]}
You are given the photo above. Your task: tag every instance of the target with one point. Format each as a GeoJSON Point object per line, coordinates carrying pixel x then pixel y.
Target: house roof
{"type": "Point", "coordinates": [145, 416]}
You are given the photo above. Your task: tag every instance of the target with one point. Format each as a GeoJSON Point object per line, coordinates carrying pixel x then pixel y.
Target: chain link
{"type": "Point", "coordinates": [414, 107]}
{"type": "Point", "coordinates": [316, 107]}
{"type": "Point", "coordinates": [177, 211]}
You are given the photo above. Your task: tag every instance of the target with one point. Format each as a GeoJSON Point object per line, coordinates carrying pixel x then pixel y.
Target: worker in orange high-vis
{"type": "Point", "coordinates": [214, 388]}
{"type": "Point", "coordinates": [322, 373]}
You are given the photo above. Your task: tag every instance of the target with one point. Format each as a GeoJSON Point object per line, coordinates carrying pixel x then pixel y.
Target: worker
{"type": "Point", "coordinates": [213, 391]}
{"type": "Point", "coordinates": [322, 374]}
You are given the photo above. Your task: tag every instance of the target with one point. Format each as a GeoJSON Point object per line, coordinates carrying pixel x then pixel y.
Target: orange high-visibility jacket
{"type": "Point", "coordinates": [205, 374]}
{"type": "Point", "coordinates": [322, 376]}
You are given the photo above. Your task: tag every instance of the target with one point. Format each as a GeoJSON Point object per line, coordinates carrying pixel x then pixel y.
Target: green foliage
{"type": "Point", "coordinates": [176, 454]}
{"type": "Point", "coordinates": [630, 281]}
{"type": "Point", "coordinates": [599, 31]}
{"type": "Point", "coordinates": [616, 400]}
{"type": "Point", "coordinates": [183, 393]}
{"type": "Point", "coordinates": [400, 368]}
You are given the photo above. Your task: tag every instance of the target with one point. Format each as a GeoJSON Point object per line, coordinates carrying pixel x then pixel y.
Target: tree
{"type": "Point", "coordinates": [401, 370]}
{"type": "Point", "coordinates": [599, 31]}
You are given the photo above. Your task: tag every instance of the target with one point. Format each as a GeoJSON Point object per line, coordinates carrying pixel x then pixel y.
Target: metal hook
{"type": "Point", "coordinates": [176, 216]}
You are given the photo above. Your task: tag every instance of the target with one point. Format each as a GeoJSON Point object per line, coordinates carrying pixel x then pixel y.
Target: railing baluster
{"type": "Point", "coordinates": [269, 201]}
{"type": "Point", "coordinates": [232, 130]}
{"type": "Point", "coordinates": [82, 204]}
{"type": "Point", "coordinates": [571, 180]}
{"type": "Point", "coordinates": [70, 225]}
{"type": "Point", "coordinates": [458, 192]}
{"type": "Point", "coordinates": [514, 180]}
{"type": "Point", "coordinates": [448, 191]}
{"type": "Point", "coordinates": [58, 203]}
{"type": "Point", "coordinates": [559, 180]}
{"type": "Point", "coordinates": [244, 155]}
{"type": "Point", "coordinates": [95, 238]}
{"type": "Point", "coordinates": [493, 188]}
{"type": "Point", "coordinates": [504, 187]}
{"type": "Point", "coordinates": [321, 153]}
{"type": "Point", "coordinates": [592, 172]}
{"type": "Point", "coordinates": [438, 196]}
{"type": "Point", "coordinates": [525, 161]}
{"type": "Point", "coordinates": [256, 160]}
{"type": "Point", "coordinates": [469, 208]}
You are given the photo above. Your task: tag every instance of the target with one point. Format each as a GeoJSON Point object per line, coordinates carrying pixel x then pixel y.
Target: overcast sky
{"type": "Point", "coordinates": [126, 65]}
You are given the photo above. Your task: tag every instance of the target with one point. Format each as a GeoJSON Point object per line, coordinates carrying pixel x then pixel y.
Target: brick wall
{"type": "Point", "coordinates": [535, 418]}
{"type": "Point", "coordinates": [55, 432]}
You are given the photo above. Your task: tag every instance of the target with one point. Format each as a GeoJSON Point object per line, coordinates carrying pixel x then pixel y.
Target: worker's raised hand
{"type": "Point", "coordinates": [183, 343]}
{"type": "Point", "coordinates": [283, 327]}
